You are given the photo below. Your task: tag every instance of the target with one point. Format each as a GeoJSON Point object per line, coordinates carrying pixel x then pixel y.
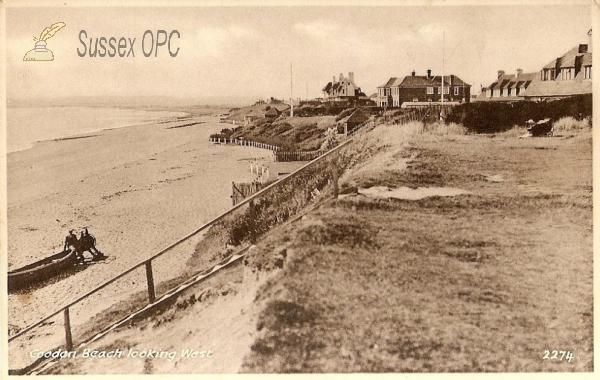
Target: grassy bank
{"type": "Point", "coordinates": [480, 282]}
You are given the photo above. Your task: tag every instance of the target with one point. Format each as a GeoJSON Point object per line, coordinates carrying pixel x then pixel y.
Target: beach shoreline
{"type": "Point", "coordinates": [137, 189]}
{"type": "Point", "coordinates": [40, 124]}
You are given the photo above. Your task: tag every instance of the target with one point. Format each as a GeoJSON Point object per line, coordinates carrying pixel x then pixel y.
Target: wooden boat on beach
{"type": "Point", "coordinates": [41, 270]}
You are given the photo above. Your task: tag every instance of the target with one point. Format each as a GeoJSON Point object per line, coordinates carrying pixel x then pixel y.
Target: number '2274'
{"type": "Point", "coordinates": [558, 355]}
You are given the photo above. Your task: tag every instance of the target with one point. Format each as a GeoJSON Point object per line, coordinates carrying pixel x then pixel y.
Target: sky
{"type": "Point", "coordinates": [247, 51]}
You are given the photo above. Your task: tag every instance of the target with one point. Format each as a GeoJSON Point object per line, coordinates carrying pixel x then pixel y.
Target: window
{"type": "Point", "coordinates": [415, 99]}
{"type": "Point", "coordinates": [567, 74]}
{"type": "Point", "coordinates": [430, 91]}
{"type": "Point", "coordinates": [456, 90]}
{"type": "Point", "coordinates": [587, 73]}
{"type": "Point", "coordinates": [446, 90]}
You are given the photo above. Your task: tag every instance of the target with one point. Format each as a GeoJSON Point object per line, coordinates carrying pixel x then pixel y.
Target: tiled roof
{"type": "Point", "coordinates": [272, 112]}
{"type": "Point", "coordinates": [422, 81]}
{"type": "Point", "coordinates": [541, 88]}
{"type": "Point", "coordinates": [357, 116]}
{"type": "Point", "coordinates": [327, 87]}
{"type": "Point", "coordinates": [568, 59]}
{"type": "Point", "coordinates": [587, 59]}
{"type": "Point", "coordinates": [513, 81]}
{"type": "Point", "coordinates": [391, 82]}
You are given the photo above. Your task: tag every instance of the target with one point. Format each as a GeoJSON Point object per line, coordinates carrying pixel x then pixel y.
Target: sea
{"type": "Point", "coordinates": [28, 125]}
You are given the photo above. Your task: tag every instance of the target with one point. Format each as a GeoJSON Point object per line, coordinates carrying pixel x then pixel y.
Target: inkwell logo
{"type": "Point", "coordinates": [40, 53]}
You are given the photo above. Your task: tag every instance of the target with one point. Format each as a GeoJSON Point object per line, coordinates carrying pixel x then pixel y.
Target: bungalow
{"type": "Point", "coordinates": [422, 89]}
{"type": "Point", "coordinates": [342, 89]}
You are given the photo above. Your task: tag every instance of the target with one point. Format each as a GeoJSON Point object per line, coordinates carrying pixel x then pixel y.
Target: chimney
{"type": "Point", "coordinates": [333, 81]}
{"type": "Point", "coordinates": [351, 77]}
{"type": "Point", "coordinates": [413, 73]}
{"type": "Point", "coordinates": [428, 74]}
{"type": "Point", "coordinates": [341, 77]}
{"type": "Point", "coordinates": [500, 73]}
{"type": "Point", "coordinates": [519, 72]}
{"type": "Point", "coordinates": [589, 50]}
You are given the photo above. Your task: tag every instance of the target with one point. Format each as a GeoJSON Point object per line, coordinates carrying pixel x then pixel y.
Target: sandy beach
{"type": "Point", "coordinates": [137, 189]}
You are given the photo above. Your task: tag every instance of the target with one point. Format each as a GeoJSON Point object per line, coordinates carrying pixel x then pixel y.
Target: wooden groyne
{"type": "Point", "coordinates": [243, 142]}
{"type": "Point", "coordinates": [280, 155]}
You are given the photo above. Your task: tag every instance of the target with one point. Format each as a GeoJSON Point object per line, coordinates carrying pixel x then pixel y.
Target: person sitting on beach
{"type": "Point", "coordinates": [72, 244]}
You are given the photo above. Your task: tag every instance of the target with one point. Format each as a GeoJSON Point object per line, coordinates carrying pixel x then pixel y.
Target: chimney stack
{"type": "Point", "coordinates": [333, 81]}
{"type": "Point", "coordinates": [341, 77]}
{"type": "Point", "coordinates": [500, 73]}
{"type": "Point", "coordinates": [351, 77]}
{"type": "Point", "coordinates": [413, 73]}
{"type": "Point", "coordinates": [428, 74]}
{"type": "Point", "coordinates": [519, 72]}
{"type": "Point", "coordinates": [589, 41]}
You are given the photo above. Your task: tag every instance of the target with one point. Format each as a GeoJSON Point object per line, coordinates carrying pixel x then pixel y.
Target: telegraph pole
{"type": "Point", "coordinates": [443, 57]}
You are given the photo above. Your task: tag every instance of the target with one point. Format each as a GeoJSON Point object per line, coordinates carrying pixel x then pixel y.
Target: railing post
{"type": "Point", "coordinates": [68, 335]}
{"type": "Point", "coordinates": [334, 175]}
{"type": "Point", "coordinates": [252, 220]}
{"type": "Point", "coordinates": [150, 278]}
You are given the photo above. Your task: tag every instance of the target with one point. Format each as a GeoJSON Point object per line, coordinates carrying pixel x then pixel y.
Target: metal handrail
{"type": "Point", "coordinates": [173, 245]}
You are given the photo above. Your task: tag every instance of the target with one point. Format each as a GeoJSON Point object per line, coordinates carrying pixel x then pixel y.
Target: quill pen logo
{"type": "Point", "coordinates": [41, 53]}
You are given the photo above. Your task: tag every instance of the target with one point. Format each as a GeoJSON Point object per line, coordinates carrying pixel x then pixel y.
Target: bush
{"type": "Point", "coordinates": [568, 124]}
{"type": "Point", "coordinates": [492, 117]}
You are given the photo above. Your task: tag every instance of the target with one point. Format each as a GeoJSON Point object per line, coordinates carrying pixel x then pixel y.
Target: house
{"type": "Point", "coordinates": [357, 118]}
{"type": "Point", "coordinates": [508, 87]}
{"type": "Point", "coordinates": [567, 75]}
{"type": "Point", "coordinates": [342, 89]}
{"type": "Point", "coordinates": [415, 89]}
{"type": "Point", "coordinates": [272, 113]}
{"type": "Point", "coordinates": [388, 93]}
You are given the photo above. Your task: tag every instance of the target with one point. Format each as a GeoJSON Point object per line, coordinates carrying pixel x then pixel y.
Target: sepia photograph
{"type": "Point", "coordinates": [342, 187]}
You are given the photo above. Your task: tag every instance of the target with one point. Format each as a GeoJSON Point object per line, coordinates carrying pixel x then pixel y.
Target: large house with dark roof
{"type": "Point", "coordinates": [422, 90]}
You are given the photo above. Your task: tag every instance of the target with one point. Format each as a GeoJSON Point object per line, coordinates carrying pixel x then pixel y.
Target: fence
{"type": "Point", "coordinates": [151, 279]}
{"type": "Point", "coordinates": [430, 113]}
{"type": "Point", "coordinates": [286, 156]}
{"type": "Point", "coordinates": [241, 191]}
{"type": "Point", "coordinates": [243, 142]}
